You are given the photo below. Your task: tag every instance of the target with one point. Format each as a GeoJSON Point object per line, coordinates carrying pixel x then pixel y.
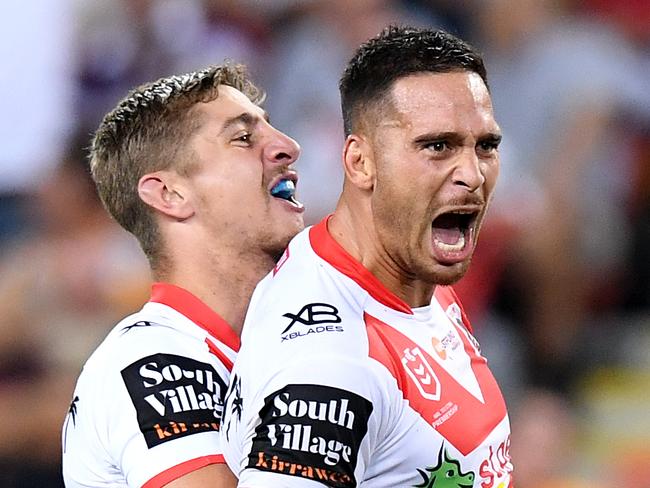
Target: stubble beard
{"type": "Point", "coordinates": [273, 244]}
{"type": "Point", "coordinates": [422, 266]}
{"type": "Point", "coordinates": [447, 279]}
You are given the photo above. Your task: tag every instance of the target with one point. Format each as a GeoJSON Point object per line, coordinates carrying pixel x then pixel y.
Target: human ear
{"type": "Point", "coordinates": [358, 162]}
{"type": "Point", "coordinates": [162, 191]}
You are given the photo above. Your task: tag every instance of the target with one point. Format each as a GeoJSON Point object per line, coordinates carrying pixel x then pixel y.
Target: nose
{"type": "Point", "coordinates": [282, 149]}
{"type": "Point", "coordinates": [467, 173]}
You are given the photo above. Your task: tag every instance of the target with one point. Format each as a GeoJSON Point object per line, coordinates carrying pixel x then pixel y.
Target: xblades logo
{"type": "Point", "coordinates": [314, 314]}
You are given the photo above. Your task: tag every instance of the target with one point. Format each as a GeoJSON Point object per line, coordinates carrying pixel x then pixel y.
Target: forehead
{"type": "Point", "coordinates": [229, 103]}
{"type": "Point", "coordinates": [442, 101]}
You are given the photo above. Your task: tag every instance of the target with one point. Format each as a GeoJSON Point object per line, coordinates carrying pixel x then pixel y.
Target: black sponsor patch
{"type": "Point", "coordinates": [174, 396]}
{"type": "Point", "coordinates": [311, 431]}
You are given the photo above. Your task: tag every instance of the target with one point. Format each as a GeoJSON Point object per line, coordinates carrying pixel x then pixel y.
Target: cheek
{"type": "Point", "coordinates": [396, 205]}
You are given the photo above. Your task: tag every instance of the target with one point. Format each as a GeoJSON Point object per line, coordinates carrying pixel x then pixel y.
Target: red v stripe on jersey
{"type": "Point", "coordinates": [454, 412]}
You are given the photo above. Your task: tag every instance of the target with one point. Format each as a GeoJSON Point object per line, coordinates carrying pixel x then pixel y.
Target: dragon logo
{"type": "Point", "coordinates": [446, 474]}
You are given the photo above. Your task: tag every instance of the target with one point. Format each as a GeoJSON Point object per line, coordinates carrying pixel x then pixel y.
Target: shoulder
{"type": "Point", "coordinates": [304, 326]}
{"type": "Point", "coordinates": [302, 297]}
{"type": "Point", "coordinates": [152, 382]}
{"type": "Point", "coordinates": [148, 353]}
{"type": "Point", "coordinates": [141, 334]}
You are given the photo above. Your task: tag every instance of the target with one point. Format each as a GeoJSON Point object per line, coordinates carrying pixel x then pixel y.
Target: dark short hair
{"type": "Point", "coordinates": [148, 131]}
{"type": "Point", "coordinates": [397, 52]}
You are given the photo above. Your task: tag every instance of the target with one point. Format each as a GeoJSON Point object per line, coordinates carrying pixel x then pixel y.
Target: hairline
{"type": "Point", "coordinates": [383, 101]}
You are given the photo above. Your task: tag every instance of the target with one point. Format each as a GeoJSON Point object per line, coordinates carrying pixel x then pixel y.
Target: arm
{"type": "Point", "coordinates": [155, 416]}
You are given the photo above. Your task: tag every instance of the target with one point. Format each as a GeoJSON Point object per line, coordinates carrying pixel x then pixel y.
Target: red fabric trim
{"type": "Point", "coordinates": [281, 261]}
{"type": "Point", "coordinates": [331, 251]}
{"type": "Point", "coordinates": [182, 469]}
{"type": "Point", "coordinates": [225, 360]}
{"type": "Point", "coordinates": [194, 309]}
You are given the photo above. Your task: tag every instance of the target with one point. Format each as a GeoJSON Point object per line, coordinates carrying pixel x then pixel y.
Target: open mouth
{"type": "Point", "coordinates": [452, 231]}
{"type": "Point", "coordinates": [285, 189]}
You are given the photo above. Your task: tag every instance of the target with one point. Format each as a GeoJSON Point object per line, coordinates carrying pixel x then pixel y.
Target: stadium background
{"type": "Point", "coordinates": [559, 292]}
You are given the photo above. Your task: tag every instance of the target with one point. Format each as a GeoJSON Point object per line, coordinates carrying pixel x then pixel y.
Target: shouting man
{"type": "Point", "coordinates": [358, 365]}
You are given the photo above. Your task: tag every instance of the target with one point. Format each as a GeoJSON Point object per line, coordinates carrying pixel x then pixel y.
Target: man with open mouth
{"type": "Point", "coordinates": [358, 366]}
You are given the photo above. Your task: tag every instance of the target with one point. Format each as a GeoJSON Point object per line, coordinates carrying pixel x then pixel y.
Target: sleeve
{"type": "Point", "coordinates": [312, 423]}
{"type": "Point", "coordinates": [163, 415]}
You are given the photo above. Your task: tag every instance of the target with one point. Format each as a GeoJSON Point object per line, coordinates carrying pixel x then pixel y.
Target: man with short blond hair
{"type": "Point", "coordinates": [191, 166]}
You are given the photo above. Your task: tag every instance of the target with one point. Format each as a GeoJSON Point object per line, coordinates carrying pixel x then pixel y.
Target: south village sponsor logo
{"type": "Point", "coordinates": [311, 431]}
{"type": "Point", "coordinates": [313, 318]}
{"type": "Point", "coordinates": [174, 396]}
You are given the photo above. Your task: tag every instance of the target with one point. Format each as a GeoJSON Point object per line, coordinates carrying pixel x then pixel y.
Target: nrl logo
{"type": "Point", "coordinates": [420, 371]}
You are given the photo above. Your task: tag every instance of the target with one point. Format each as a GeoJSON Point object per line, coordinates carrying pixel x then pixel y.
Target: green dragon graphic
{"type": "Point", "coordinates": [446, 474]}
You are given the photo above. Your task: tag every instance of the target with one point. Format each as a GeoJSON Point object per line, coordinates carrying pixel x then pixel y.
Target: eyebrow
{"type": "Point", "coordinates": [494, 137]}
{"type": "Point", "coordinates": [245, 118]}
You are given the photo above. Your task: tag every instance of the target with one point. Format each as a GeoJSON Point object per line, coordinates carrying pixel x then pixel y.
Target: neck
{"type": "Point", "coordinates": [352, 226]}
{"type": "Point", "coordinates": [224, 282]}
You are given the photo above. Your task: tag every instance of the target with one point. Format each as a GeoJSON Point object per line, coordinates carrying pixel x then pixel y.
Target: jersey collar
{"type": "Point", "coordinates": [194, 309]}
{"type": "Point", "coordinates": [331, 251]}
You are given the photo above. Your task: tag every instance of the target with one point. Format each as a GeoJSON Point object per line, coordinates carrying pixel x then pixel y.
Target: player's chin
{"type": "Point", "coordinates": [288, 215]}
{"type": "Point", "coordinates": [291, 225]}
{"type": "Point", "coordinates": [285, 230]}
{"type": "Point", "coordinates": [448, 274]}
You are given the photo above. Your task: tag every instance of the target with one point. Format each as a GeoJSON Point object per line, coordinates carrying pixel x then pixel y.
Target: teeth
{"type": "Point", "coordinates": [285, 189]}
{"type": "Point", "coordinates": [295, 202]}
{"type": "Point", "coordinates": [451, 247]}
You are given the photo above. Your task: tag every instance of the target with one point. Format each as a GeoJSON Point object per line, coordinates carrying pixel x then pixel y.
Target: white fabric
{"type": "Point", "coordinates": [103, 445]}
{"type": "Point", "coordinates": [400, 442]}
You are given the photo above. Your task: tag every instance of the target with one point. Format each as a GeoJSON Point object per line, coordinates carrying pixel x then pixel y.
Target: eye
{"type": "Point", "coordinates": [437, 146]}
{"type": "Point", "coordinates": [244, 138]}
{"type": "Point", "coordinates": [488, 146]}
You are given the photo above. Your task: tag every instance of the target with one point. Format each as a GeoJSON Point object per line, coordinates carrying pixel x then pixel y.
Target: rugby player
{"type": "Point", "coordinates": [192, 167]}
{"type": "Point", "coordinates": [358, 366]}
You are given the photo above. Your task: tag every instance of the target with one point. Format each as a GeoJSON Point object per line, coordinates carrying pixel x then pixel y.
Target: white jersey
{"type": "Point", "coordinates": [147, 407]}
{"type": "Point", "coordinates": [340, 383]}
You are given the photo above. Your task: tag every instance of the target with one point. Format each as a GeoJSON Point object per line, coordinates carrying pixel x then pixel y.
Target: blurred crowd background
{"type": "Point", "coordinates": [559, 291]}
